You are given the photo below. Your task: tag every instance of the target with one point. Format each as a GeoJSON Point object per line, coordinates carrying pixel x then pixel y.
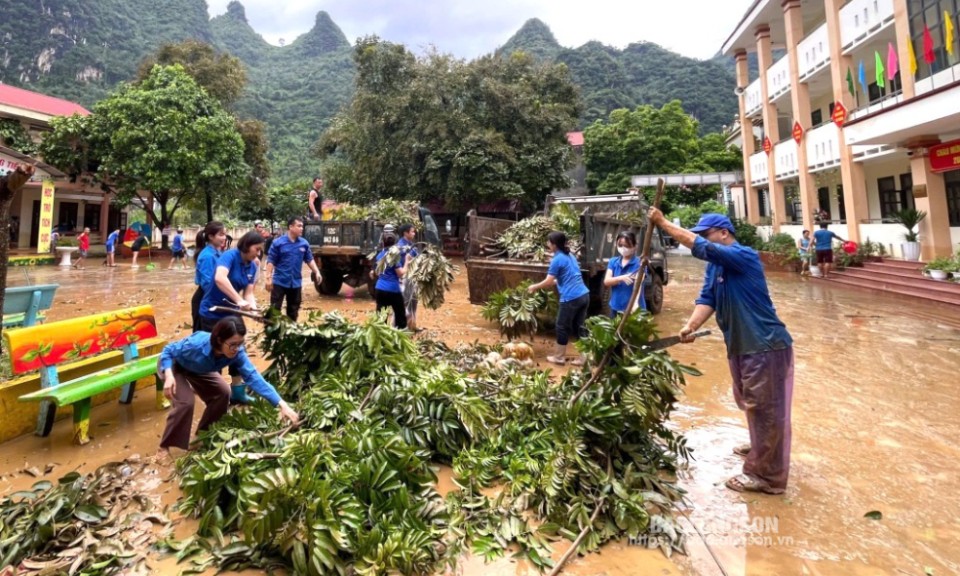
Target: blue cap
{"type": "Point", "coordinates": [708, 221]}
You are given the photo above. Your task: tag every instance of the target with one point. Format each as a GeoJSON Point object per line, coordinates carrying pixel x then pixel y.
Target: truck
{"type": "Point", "coordinates": [341, 248]}
{"type": "Point", "coordinates": [601, 220]}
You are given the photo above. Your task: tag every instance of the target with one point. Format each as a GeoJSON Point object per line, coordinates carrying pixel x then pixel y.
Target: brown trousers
{"type": "Point", "coordinates": [212, 389]}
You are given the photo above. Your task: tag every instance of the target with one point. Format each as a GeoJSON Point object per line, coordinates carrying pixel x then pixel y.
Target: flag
{"type": "Point", "coordinates": [863, 78]}
{"type": "Point", "coordinates": [948, 31]}
{"type": "Point", "coordinates": [893, 66]}
{"type": "Point", "coordinates": [879, 71]}
{"type": "Point", "coordinates": [913, 57]}
{"type": "Point", "coordinates": [928, 56]}
{"type": "Point", "coordinates": [850, 87]}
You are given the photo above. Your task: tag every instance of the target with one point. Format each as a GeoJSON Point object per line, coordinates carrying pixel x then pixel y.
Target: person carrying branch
{"type": "Point", "coordinates": [759, 348]}
{"type": "Point", "coordinates": [564, 273]}
{"type": "Point", "coordinates": [192, 366]}
{"type": "Point", "coordinates": [408, 251]}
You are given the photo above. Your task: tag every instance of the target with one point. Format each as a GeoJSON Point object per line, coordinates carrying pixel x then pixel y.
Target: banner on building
{"type": "Point", "coordinates": [46, 216]}
{"type": "Point", "coordinates": [945, 157]}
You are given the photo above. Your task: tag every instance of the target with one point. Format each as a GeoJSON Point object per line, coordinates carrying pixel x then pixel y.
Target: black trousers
{"type": "Point", "coordinates": [207, 324]}
{"type": "Point", "coordinates": [570, 319]}
{"type": "Point", "coordinates": [294, 298]}
{"type": "Point", "coordinates": [195, 310]}
{"type": "Point", "coordinates": [393, 300]}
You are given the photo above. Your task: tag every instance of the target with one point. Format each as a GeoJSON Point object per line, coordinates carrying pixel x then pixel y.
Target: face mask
{"type": "Point", "coordinates": [624, 251]}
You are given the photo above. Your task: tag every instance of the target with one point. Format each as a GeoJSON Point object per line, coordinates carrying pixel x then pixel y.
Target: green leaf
{"type": "Point", "coordinates": [874, 515]}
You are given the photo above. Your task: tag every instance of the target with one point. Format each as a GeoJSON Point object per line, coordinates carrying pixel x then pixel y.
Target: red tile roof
{"type": "Point", "coordinates": [575, 138]}
{"type": "Point", "coordinates": [35, 102]}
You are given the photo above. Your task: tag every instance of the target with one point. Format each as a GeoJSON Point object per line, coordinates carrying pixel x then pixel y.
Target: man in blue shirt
{"type": "Point", "coordinates": [178, 250]}
{"type": "Point", "coordinates": [111, 248]}
{"type": "Point", "coordinates": [759, 348]}
{"type": "Point", "coordinates": [823, 241]}
{"type": "Point", "coordinates": [284, 268]}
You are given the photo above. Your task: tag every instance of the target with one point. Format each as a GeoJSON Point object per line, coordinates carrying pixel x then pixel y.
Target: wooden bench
{"type": "Point", "coordinates": [22, 305]}
{"type": "Point", "coordinates": [44, 347]}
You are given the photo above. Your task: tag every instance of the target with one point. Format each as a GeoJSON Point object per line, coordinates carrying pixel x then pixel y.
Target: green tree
{"type": "Point", "coordinates": [164, 137]}
{"type": "Point", "coordinates": [438, 127]}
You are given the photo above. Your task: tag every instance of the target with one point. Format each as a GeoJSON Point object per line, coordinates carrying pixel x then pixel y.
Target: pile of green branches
{"type": "Point", "coordinates": [386, 211]}
{"type": "Point", "coordinates": [527, 238]}
{"type": "Point", "coordinates": [353, 490]}
{"type": "Point", "coordinates": [95, 524]}
{"type": "Point", "coordinates": [518, 312]}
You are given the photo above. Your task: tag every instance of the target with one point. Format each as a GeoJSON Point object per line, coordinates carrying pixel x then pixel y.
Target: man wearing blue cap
{"type": "Point", "coordinates": [759, 348]}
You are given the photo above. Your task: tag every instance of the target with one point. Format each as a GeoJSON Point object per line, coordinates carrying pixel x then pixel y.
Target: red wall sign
{"type": "Point", "coordinates": [945, 157]}
{"type": "Point", "coordinates": [797, 132]}
{"type": "Point", "coordinates": [839, 115]}
{"type": "Point", "coordinates": [767, 145]}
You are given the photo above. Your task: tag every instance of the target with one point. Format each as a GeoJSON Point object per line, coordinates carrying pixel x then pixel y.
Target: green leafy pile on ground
{"type": "Point", "coordinates": [518, 312]}
{"type": "Point", "coordinates": [93, 524]}
{"type": "Point", "coordinates": [353, 489]}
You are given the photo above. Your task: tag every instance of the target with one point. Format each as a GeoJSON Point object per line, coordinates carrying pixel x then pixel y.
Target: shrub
{"type": "Point", "coordinates": [689, 215]}
{"type": "Point", "coordinates": [747, 234]}
{"type": "Point", "coordinates": [784, 246]}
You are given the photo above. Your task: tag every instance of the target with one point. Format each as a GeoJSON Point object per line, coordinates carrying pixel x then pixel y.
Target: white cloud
{"type": "Point", "coordinates": [469, 28]}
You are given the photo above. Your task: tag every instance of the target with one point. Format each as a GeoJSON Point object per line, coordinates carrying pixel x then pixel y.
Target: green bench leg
{"type": "Point", "coordinates": [162, 402]}
{"type": "Point", "coordinates": [126, 395]}
{"type": "Point", "coordinates": [48, 413]}
{"type": "Point", "coordinates": [81, 421]}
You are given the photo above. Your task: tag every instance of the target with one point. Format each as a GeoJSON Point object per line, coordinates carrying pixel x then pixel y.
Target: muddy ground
{"type": "Point", "coordinates": [875, 426]}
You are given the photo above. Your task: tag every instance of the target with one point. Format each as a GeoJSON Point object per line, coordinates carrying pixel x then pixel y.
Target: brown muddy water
{"type": "Point", "coordinates": [875, 427]}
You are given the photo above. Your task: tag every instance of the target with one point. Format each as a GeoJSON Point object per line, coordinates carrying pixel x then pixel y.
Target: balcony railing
{"type": "Point", "coordinates": [938, 80]}
{"type": "Point", "coordinates": [814, 52]}
{"type": "Point", "coordinates": [861, 19]}
{"type": "Point", "coordinates": [758, 168]}
{"type": "Point", "coordinates": [823, 147]}
{"type": "Point", "coordinates": [778, 79]}
{"type": "Point", "coordinates": [752, 98]}
{"type": "Point", "coordinates": [786, 160]}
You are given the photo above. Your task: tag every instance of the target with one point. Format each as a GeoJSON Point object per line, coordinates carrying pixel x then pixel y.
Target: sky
{"type": "Point", "coordinates": [470, 28]}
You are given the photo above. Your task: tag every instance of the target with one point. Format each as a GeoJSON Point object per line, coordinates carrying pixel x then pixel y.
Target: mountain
{"type": "Point", "coordinates": [642, 73]}
{"type": "Point", "coordinates": [81, 49]}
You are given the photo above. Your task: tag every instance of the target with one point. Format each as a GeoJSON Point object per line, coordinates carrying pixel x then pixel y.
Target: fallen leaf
{"type": "Point", "coordinates": [874, 515]}
{"type": "Point", "coordinates": [33, 471]}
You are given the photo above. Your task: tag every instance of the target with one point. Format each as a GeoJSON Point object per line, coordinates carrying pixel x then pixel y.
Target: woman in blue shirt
{"type": "Point", "coordinates": [565, 274]}
{"type": "Point", "coordinates": [193, 365]}
{"type": "Point", "coordinates": [622, 273]}
{"type": "Point", "coordinates": [209, 244]}
{"type": "Point", "coordinates": [389, 294]}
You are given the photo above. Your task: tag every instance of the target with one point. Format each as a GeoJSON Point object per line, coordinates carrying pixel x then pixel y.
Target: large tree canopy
{"type": "Point", "coordinates": [164, 135]}
{"type": "Point", "coordinates": [650, 140]}
{"type": "Point", "coordinates": [438, 127]}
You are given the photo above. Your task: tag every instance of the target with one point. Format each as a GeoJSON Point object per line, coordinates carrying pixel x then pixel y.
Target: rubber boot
{"type": "Point", "coordinates": [238, 393]}
{"type": "Point", "coordinates": [558, 353]}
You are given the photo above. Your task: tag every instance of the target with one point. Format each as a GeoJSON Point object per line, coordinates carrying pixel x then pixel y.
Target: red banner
{"type": "Point", "coordinates": [839, 115]}
{"type": "Point", "coordinates": [767, 145]}
{"type": "Point", "coordinates": [945, 157]}
{"type": "Point", "coordinates": [797, 132]}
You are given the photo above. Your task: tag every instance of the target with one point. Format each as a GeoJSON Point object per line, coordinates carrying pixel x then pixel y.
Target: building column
{"type": "Point", "coordinates": [901, 22]}
{"type": "Point", "coordinates": [930, 196]}
{"type": "Point", "coordinates": [770, 127]}
{"type": "Point", "coordinates": [105, 216]}
{"type": "Point", "coordinates": [746, 134]}
{"type": "Point", "coordinates": [852, 174]}
{"type": "Point", "coordinates": [800, 97]}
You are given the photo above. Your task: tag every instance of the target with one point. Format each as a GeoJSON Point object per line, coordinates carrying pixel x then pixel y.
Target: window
{"type": "Point", "coordinates": [823, 200]}
{"type": "Point", "coordinates": [929, 13]}
{"type": "Point", "coordinates": [891, 87]}
{"type": "Point", "coordinates": [889, 196]}
{"type": "Point", "coordinates": [906, 191]}
{"type": "Point", "coordinates": [816, 117]}
{"type": "Point", "coordinates": [91, 217]}
{"type": "Point", "coordinates": [841, 206]}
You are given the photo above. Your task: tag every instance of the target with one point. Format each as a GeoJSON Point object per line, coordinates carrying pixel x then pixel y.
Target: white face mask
{"type": "Point", "coordinates": [624, 251]}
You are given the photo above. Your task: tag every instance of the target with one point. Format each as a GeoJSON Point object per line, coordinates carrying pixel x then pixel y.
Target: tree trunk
{"type": "Point", "coordinates": [9, 184]}
{"type": "Point", "coordinates": [209, 198]}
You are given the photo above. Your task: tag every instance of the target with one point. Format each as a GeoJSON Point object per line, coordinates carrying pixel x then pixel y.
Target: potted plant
{"type": "Point", "coordinates": [910, 218]}
{"type": "Point", "coordinates": [938, 268]}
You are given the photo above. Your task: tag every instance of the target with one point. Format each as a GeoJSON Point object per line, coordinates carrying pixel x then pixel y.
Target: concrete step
{"type": "Point", "coordinates": [910, 291]}
{"type": "Point", "coordinates": [896, 264]}
{"type": "Point", "coordinates": [914, 280]}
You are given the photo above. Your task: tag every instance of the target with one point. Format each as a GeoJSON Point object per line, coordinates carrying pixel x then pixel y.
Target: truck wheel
{"type": "Point", "coordinates": [331, 283]}
{"type": "Point", "coordinates": [654, 295]}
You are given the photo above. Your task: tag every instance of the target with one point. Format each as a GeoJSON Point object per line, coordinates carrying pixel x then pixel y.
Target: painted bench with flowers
{"type": "Point", "coordinates": [56, 344]}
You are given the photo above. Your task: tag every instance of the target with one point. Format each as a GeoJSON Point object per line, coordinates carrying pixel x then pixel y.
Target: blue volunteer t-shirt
{"type": "Point", "coordinates": [407, 247]}
{"type": "Point", "coordinates": [178, 243]}
{"type": "Point", "coordinates": [566, 269]}
{"type": "Point", "coordinates": [206, 267]}
{"type": "Point", "coordinates": [288, 258]}
{"type": "Point", "coordinates": [240, 276]}
{"type": "Point", "coordinates": [620, 293]}
{"type": "Point", "coordinates": [388, 281]}
{"type": "Point", "coordinates": [736, 289]}
{"type": "Point", "coordinates": [112, 239]}
{"type": "Point", "coordinates": [824, 239]}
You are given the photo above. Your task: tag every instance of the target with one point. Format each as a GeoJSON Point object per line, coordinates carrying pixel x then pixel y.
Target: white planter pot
{"type": "Point", "coordinates": [938, 274]}
{"type": "Point", "coordinates": [911, 251]}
